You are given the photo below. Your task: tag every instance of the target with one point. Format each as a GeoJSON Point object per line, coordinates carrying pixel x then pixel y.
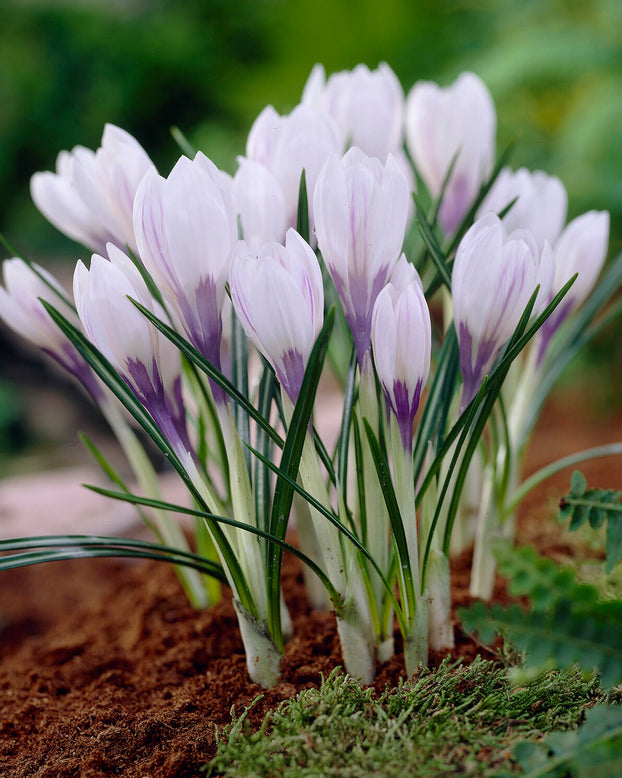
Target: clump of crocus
{"type": "Point", "coordinates": [378, 513]}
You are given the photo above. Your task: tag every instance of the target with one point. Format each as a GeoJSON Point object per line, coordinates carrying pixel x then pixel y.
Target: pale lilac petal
{"type": "Point", "coordinates": [442, 123]}
{"type": "Point", "coordinates": [260, 202]}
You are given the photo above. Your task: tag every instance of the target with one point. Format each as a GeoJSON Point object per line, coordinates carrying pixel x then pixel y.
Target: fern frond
{"type": "Point", "coordinates": [595, 506]}
{"type": "Point", "coordinates": [566, 622]}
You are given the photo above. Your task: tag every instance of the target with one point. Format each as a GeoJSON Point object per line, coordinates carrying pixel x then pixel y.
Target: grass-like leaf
{"type": "Point", "coordinates": [211, 517]}
{"type": "Point", "coordinates": [289, 464]}
{"type": "Point", "coordinates": [434, 249]}
{"type": "Point", "coordinates": [302, 217]}
{"type": "Point", "coordinates": [184, 144]}
{"type": "Point", "coordinates": [106, 372]}
{"type": "Point", "coordinates": [57, 547]}
{"type": "Point", "coordinates": [397, 525]}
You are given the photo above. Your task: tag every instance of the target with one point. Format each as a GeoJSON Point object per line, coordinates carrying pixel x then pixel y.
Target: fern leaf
{"type": "Point", "coordinates": [593, 751]}
{"type": "Point", "coordinates": [595, 506]}
{"type": "Point", "coordinates": [567, 622]}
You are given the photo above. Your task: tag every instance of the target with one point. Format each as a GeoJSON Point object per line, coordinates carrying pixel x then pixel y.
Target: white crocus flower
{"type": "Point", "coordinates": [540, 208]}
{"type": "Point", "coordinates": [260, 202]}
{"type": "Point", "coordinates": [186, 229]}
{"type": "Point", "coordinates": [22, 310]}
{"type": "Point", "coordinates": [494, 276]}
{"type": "Point", "coordinates": [145, 359]}
{"type": "Point", "coordinates": [91, 196]}
{"type": "Point", "coordinates": [278, 296]}
{"type": "Point", "coordinates": [367, 105]}
{"type": "Point", "coordinates": [581, 249]}
{"type": "Point", "coordinates": [442, 123]}
{"type": "Point", "coordinates": [361, 208]}
{"type": "Point", "coordinates": [401, 336]}
{"type": "Point", "coordinates": [286, 145]}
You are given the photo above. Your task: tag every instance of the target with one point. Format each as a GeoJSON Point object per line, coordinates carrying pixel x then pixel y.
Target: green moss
{"type": "Point", "coordinates": [457, 720]}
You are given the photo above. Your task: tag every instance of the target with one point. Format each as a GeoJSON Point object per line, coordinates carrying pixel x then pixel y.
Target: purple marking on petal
{"type": "Point", "coordinates": [357, 298]}
{"type": "Point", "coordinates": [290, 369]}
{"type": "Point", "coordinates": [549, 328]}
{"type": "Point", "coordinates": [473, 374]}
{"type": "Point", "coordinates": [166, 411]}
{"type": "Point", "coordinates": [75, 364]}
{"type": "Point", "coordinates": [455, 204]}
{"type": "Point", "coordinates": [203, 326]}
{"type": "Point", "coordinates": [405, 406]}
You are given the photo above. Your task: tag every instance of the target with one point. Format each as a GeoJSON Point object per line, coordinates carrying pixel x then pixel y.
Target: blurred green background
{"type": "Point", "coordinates": [209, 66]}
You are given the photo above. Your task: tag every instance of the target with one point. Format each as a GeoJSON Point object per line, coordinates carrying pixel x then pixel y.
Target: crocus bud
{"type": "Point", "coordinates": [367, 106]}
{"type": "Point", "coordinates": [288, 144]}
{"type": "Point", "coordinates": [91, 196]}
{"type": "Point", "coordinates": [186, 229]}
{"type": "Point", "coordinates": [581, 249]}
{"type": "Point", "coordinates": [442, 123]}
{"type": "Point", "coordinates": [401, 336]}
{"type": "Point", "coordinates": [260, 203]}
{"type": "Point", "coordinates": [278, 296]}
{"type": "Point", "coordinates": [540, 208]}
{"type": "Point", "coordinates": [22, 310]}
{"type": "Point", "coordinates": [361, 207]}
{"type": "Point", "coordinates": [145, 359]}
{"type": "Point", "coordinates": [493, 278]}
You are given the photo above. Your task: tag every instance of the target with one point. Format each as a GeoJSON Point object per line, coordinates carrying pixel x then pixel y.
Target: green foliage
{"type": "Point", "coordinates": [595, 506]}
{"type": "Point", "coordinates": [593, 751]}
{"type": "Point", "coordinates": [456, 720]}
{"type": "Point", "coordinates": [565, 623]}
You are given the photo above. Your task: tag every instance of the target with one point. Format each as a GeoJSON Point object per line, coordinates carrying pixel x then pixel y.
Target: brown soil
{"type": "Point", "coordinates": [105, 670]}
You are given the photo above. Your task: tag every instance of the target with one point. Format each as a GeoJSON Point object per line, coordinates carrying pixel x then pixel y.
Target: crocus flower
{"type": "Point", "coordinates": [540, 208]}
{"type": "Point", "coordinates": [185, 229]}
{"type": "Point", "coordinates": [442, 123]}
{"type": "Point", "coordinates": [361, 207]}
{"type": "Point", "coordinates": [91, 196]}
{"type": "Point", "coordinates": [22, 310]}
{"type": "Point", "coordinates": [286, 145]}
{"type": "Point", "coordinates": [367, 106]}
{"type": "Point", "coordinates": [278, 296]}
{"type": "Point", "coordinates": [145, 359]}
{"type": "Point", "coordinates": [493, 278]}
{"type": "Point", "coordinates": [260, 202]}
{"type": "Point", "coordinates": [581, 249]}
{"type": "Point", "coordinates": [401, 336]}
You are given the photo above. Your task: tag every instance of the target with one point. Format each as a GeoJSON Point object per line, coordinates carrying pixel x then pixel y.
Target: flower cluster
{"type": "Point", "coordinates": [215, 269]}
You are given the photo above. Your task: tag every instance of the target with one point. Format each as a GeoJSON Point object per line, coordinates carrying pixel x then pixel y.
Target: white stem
{"type": "Point", "coordinates": [416, 640]}
{"type": "Point", "coordinates": [416, 612]}
{"type": "Point", "coordinates": [484, 563]}
{"type": "Point", "coordinates": [465, 524]}
{"type": "Point", "coordinates": [167, 527]}
{"type": "Point", "coordinates": [249, 552]}
{"type": "Point", "coordinates": [378, 525]}
{"type": "Point", "coordinates": [340, 562]}
{"type": "Point", "coordinates": [438, 586]}
{"type": "Point", "coordinates": [263, 659]}
{"type": "Point", "coordinates": [499, 520]}
{"type": "Point", "coordinates": [308, 542]}
{"type": "Point", "coordinates": [357, 644]}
